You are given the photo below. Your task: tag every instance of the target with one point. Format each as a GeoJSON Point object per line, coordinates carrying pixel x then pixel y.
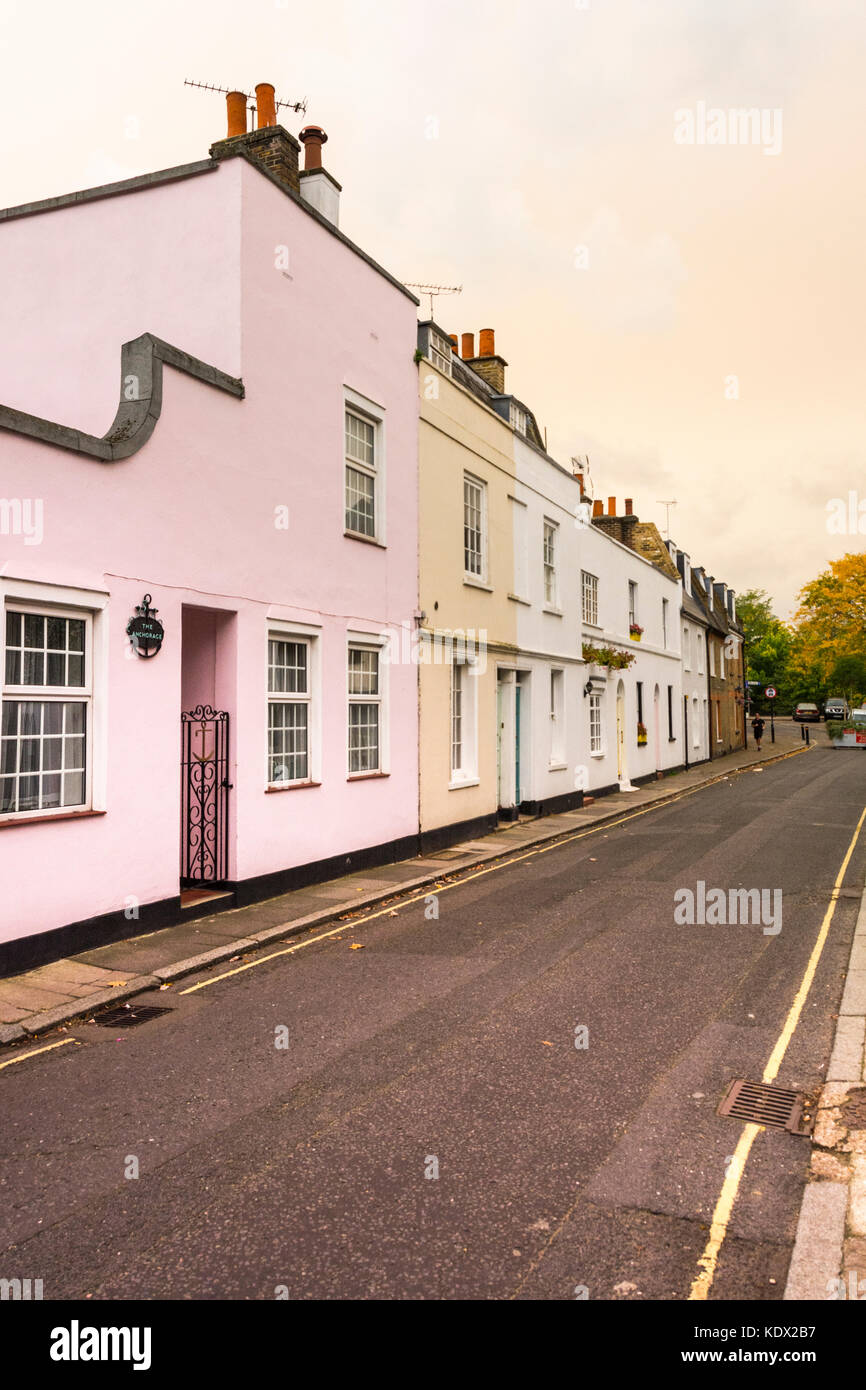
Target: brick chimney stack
{"type": "Point", "coordinates": [274, 148]}
{"type": "Point", "coordinates": [318, 187]}
{"type": "Point", "coordinates": [622, 528]}
{"type": "Point", "coordinates": [488, 364]}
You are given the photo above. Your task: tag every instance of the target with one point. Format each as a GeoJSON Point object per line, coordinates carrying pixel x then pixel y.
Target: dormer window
{"type": "Point", "coordinates": [440, 351]}
{"type": "Point", "coordinates": [517, 417]}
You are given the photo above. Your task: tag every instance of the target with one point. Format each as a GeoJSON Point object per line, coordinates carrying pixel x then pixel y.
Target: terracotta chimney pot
{"type": "Point", "coordinates": [598, 508]}
{"type": "Point", "coordinates": [312, 137]}
{"type": "Point", "coordinates": [629, 507]}
{"type": "Point", "coordinates": [611, 506]}
{"type": "Point", "coordinates": [452, 338]}
{"type": "Point", "coordinates": [265, 108]}
{"type": "Point", "coordinates": [468, 350]}
{"type": "Point", "coordinates": [236, 106]}
{"type": "Point", "coordinates": [486, 347]}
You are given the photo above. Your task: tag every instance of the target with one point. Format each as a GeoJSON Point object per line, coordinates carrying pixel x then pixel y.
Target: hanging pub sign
{"type": "Point", "coordinates": [145, 632]}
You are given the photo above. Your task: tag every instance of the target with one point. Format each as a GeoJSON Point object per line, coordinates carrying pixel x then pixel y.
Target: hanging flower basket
{"type": "Point", "coordinates": [641, 735]}
{"type": "Point", "coordinates": [635, 631]}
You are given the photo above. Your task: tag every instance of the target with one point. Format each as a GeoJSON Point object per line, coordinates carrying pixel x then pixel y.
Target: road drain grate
{"type": "Point", "coordinates": [760, 1104]}
{"type": "Point", "coordinates": [123, 1017]}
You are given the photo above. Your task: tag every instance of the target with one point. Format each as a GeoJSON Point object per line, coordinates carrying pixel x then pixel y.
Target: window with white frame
{"type": "Point", "coordinates": [549, 559]}
{"type": "Point", "coordinates": [632, 602]}
{"type": "Point", "coordinates": [687, 648]}
{"type": "Point", "coordinates": [595, 726]}
{"type": "Point", "coordinates": [440, 351]}
{"type": "Point", "coordinates": [718, 705]}
{"type": "Point", "coordinates": [712, 652]}
{"type": "Point", "coordinates": [365, 710]}
{"type": "Point", "coordinates": [289, 709]}
{"type": "Point", "coordinates": [589, 588]}
{"type": "Point", "coordinates": [46, 711]}
{"type": "Point", "coordinates": [699, 644]}
{"type": "Point", "coordinates": [557, 716]}
{"type": "Point", "coordinates": [664, 622]}
{"type": "Point", "coordinates": [474, 527]}
{"type": "Point", "coordinates": [458, 673]}
{"type": "Point", "coordinates": [361, 472]}
{"type": "Point", "coordinates": [696, 728]}
{"type": "Point", "coordinates": [517, 417]}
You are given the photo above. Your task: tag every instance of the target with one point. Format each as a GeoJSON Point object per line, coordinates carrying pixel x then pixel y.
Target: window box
{"type": "Point", "coordinates": [635, 632]}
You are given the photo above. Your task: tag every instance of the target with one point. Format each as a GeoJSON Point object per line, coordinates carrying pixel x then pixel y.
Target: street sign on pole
{"type": "Point", "coordinates": [770, 693]}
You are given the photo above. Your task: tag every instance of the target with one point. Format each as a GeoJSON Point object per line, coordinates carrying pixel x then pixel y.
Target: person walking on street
{"type": "Point", "coordinates": [758, 730]}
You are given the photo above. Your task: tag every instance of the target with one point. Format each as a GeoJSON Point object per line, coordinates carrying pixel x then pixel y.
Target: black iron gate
{"type": "Point", "coordinates": [204, 851]}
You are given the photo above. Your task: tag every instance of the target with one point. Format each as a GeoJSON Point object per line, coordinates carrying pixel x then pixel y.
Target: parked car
{"type": "Point", "coordinates": [858, 716]}
{"type": "Point", "coordinates": [807, 713]}
{"type": "Point", "coordinates": [836, 708]}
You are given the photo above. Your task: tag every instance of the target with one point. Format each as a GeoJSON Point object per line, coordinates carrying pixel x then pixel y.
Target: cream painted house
{"type": "Point", "coordinates": [500, 679]}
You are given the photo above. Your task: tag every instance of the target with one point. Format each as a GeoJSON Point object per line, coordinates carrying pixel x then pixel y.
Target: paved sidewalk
{"type": "Point", "coordinates": [829, 1259]}
{"type": "Point", "coordinates": [38, 1000]}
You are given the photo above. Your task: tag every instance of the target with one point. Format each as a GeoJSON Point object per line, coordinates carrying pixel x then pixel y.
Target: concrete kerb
{"type": "Point", "coordinates": [67, 1013]}
{"type": "Point", "coordinates": [828, 1259]}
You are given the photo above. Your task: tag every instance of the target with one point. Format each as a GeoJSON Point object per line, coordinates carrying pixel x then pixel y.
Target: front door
{"type": "Point", "coordinates": [204, 797]}
{"type": "Point", "coordinates": [620, 732]}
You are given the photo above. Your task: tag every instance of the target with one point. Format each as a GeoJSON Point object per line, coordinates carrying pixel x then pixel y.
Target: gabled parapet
{"type": "Point", "coordinates": [139, 405]}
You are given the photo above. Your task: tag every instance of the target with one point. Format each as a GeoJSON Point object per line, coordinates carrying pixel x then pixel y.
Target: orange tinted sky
{"type": "Point", "coordinates": [482, 143]}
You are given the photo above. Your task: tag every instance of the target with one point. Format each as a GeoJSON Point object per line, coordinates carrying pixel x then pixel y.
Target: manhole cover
{"type": "Point", "coordinates": [129, 1017]}
{"type": "Point", "coordinates": [760, 1104]}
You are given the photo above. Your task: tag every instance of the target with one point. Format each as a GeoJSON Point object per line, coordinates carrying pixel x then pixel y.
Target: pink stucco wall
{"type": "Point", "coordinates": [190, 517]}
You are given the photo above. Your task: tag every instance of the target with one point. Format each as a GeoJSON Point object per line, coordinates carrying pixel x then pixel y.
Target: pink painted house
{"type": "Point", "coordinates": [208, 398]}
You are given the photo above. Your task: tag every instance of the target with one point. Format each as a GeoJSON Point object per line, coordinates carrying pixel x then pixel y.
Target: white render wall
{"type": "Point", "coordinates": [552, 636]}
{"type": "Point", "coordinates": [694, 643]}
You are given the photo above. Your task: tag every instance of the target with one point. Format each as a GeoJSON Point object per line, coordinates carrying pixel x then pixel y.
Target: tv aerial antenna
{"type": "Point", "coordinates": [250, 96]}
{"type": "Point", "coordinates": [433, 290]}
{"type": "Point", "coordinates": [667, 506]}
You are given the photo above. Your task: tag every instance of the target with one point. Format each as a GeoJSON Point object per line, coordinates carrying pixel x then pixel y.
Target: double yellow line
{"type": "Point", "coordinates": [730, 1187]}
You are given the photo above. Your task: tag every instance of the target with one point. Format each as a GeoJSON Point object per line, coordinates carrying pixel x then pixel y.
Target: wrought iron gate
{"type": "Point", "coordinates": [204, 851]}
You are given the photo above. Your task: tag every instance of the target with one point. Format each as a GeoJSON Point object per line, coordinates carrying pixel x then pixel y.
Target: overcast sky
{"type": "Point", "coordinates": [691, 315]}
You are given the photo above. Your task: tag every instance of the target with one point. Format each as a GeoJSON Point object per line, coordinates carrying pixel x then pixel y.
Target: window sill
{"type": "Point", "coordinates": [7, 822]}
{"type": "Point", "coordinates": [289, 787]}
{"type": "Point", "coordinates": [557, 767]}
{"type": "Point", "coordinates": [515, 598]}
{"type": "Point", "coordinates": [554, 612]}
{"type": "Point", "coordinates": [366, 540]}
{"type": "Point", "coordinates": [366, 776]}
{"type": "Point", "coordinates": [596, 627]}
{"type": "Point", "coordinates": [601, 754]}
{"type": "Point", "coordinates": [456, 786]}
{"type": "Point", "coordinates": [477, 584]}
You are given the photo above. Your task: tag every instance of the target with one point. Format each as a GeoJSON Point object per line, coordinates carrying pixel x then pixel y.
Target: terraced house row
{"type": "Point", "coordinates": [305, 592]}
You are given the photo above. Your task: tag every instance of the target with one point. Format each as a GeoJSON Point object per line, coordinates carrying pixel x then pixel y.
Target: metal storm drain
{"type": "Point", "coordinates": [123, 1017]}
{"type": "Point", "coordinates": [760, 1104]}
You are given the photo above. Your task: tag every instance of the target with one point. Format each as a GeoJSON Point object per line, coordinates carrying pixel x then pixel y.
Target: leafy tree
{"type": "Point", "coordinates": [831, 619]}
{"type": "Point", "coordinates": [848, 677]}
{"type": "Point", "coordinates": [768, 645]}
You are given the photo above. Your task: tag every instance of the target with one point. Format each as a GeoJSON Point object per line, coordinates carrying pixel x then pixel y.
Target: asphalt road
{"type": "Point", "coordinates": [303, 1168]}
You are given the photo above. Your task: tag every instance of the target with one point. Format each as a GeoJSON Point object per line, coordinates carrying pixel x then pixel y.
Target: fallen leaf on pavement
{"type": "Point", "coordinates": [547, 1044]}
{"type": "Point", "coordinates": [357, 946]}
{"type": "Point", "coordinates": [168, 986]}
